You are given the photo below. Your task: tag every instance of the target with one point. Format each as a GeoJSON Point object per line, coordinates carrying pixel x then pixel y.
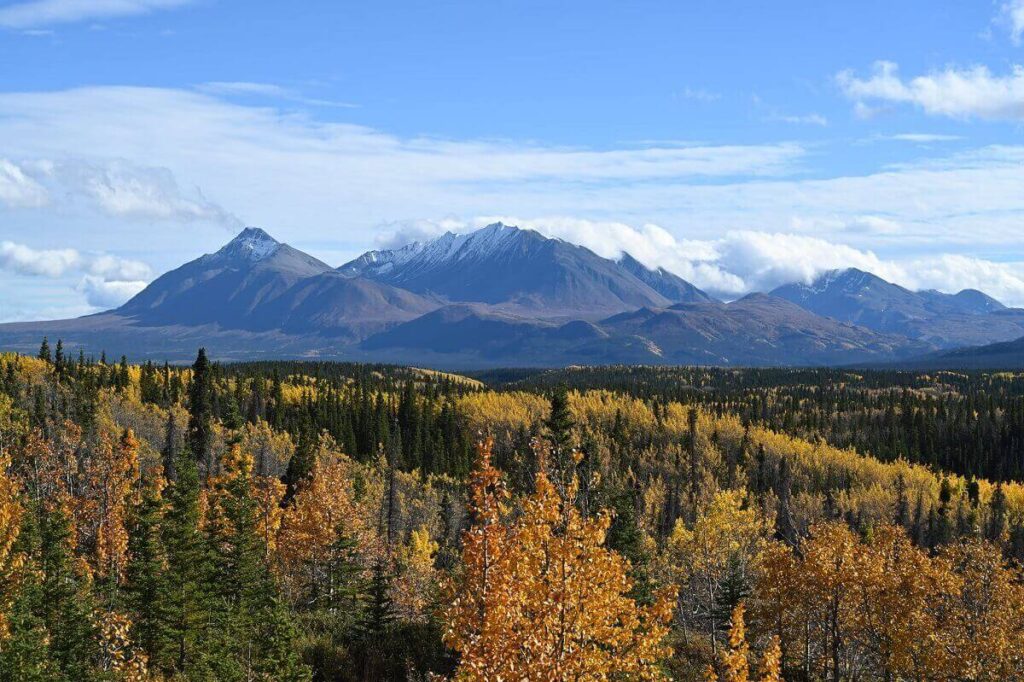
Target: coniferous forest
{"type": "Point", "coordinates": [328, 521]}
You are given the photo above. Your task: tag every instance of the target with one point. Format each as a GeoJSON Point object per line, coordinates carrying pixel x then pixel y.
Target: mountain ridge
{"type": "Point", "coordinates": [504, 296]}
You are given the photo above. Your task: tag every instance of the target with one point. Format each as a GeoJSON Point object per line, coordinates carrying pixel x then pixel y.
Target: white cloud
{"type": "Point", "coordinates": [48, 12]}
{"type": "Point", "coordinates": [743, 261]}
{"type": "Point", "coordinates": [106, 280]}
{"type": "Point", "coordinates": [923, 138]}
{"type": "Point", "coordinates": [24, 260]}
{"type": "Point", "coordinates": [114, 187]}
{"type": "Point", "coordinates": [807, 119]}
{"type": "Point", "coordinates": [121, 189]}
{"type": "Point", "coordinates": [100, 293]}
{"type": "Point", "coordinates": [18, 190]}
{"type": "Point", "coordinates": [1012, 14]}
{"type": "Point", "coordinates": [957, 93]}
{"type": "Point", "coordinates": [268, 90]}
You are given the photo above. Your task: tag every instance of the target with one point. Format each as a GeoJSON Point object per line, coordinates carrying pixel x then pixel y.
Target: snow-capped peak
{"type": "Point", "coordinates": [449, 247]}
{"type": "Point", "coordinates": [252, 244]}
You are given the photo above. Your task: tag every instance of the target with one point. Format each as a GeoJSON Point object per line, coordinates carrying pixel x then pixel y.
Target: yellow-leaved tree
{"type": "Point", "coordinates": [11, 512]}
{"type": "Point", "coordinates": [540, 597]}
{"type": "Point", "coordinates": [735, 661]}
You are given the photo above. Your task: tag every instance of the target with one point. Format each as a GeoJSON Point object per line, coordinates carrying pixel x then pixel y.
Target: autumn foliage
{"type": "Point", "coordinates": [541, 598]}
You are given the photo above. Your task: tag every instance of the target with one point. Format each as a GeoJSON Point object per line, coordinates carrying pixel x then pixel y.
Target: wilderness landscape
{"type": "Point", "coordinates": [502, 296]}
{"type": "Point", "coordinates": [511, 341]}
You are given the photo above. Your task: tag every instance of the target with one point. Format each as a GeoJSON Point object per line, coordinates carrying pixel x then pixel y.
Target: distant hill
{"type": "Point", "coordinates": [503, 296]}
{"type": "Point", "coordinates": [994, 356]}
{"type": "Point", "coordinates": [945, 320]}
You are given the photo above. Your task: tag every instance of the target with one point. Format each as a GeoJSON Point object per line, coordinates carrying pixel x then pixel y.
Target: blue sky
{"type": "Point", "coordinates": [739, 144]}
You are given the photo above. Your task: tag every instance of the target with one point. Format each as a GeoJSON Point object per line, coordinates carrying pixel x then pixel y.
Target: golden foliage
{"type": "Point", "coordinates": [886, 604]}
{"type": "Point", "coordinates": [109, 490]}
{"type": "Point", "coordinates": [540, 597]}
{"type": "Point", "coordinates": [118, 655]}
{"type": "Point", "coordinates": [11, 512]}
{"type": "Point", "coordinates": [489, 412]}
{"type": "Point", "coordinates": [322, 509]}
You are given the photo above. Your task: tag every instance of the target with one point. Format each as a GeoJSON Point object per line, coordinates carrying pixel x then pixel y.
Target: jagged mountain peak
{"type": "Point", "coordinates": [253, 244]}
{"type": "Point", "coordinates": [668, 284]}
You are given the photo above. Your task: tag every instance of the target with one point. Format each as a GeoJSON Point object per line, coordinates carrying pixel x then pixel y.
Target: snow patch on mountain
{"type": "Point", "coordinates": [252, 244]}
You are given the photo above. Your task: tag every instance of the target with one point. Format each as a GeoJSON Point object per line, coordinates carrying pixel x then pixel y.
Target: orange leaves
{"type": "Point", "coordinates": [118, 654]}
{"type": "Point", "coordinates": [11, 513]}
{"type": "Point", "coordinates": [886, 604]}
{"type": "Point", "coordinates": [109, 489]}
{"type": "Point", "coordinates": [312, 524]}
{"type": "Point", "coordinates": [540, 597]}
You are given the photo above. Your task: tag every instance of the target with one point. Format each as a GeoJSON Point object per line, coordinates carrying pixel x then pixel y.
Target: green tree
{"type": "Point", "coordinates": [200, 406]}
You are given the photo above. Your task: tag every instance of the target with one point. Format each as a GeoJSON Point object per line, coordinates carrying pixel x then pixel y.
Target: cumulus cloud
{"type": "Point", "coordinates": [47, 12]}
{"type": "Point", "coordinates": [18, 190]}
{"type": "Point", "coordinates": [1012, 14]}
{"type": "Point", "coordinates": [100, 293]}
{"type": "Point", "coordinates": [973, 92]}
{"type": "Point", "coordinates": [396, 234]}
{"type": "Point", "coordinates": [743, 261]}
{"type": "Point", "coordinates": [106, 280]}
{"type": "Point", "coordinates": [23, 260]}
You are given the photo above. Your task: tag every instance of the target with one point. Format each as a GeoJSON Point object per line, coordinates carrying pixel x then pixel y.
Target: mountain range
{"type": "Point", "coordinates": [505, 296]}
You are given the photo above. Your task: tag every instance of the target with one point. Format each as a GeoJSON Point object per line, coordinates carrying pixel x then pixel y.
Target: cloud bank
{"type": "Point", "coordinates": [743, 261]}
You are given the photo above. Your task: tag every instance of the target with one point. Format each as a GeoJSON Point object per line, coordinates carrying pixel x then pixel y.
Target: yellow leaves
{"type": "Point", "coordinates": [735, 661]}
{"type": "Point", "coordinates": [502, 412]}
{"type": "Point", "coordinates": [312, 523]}
{"type": "Point", "coordinates": [722, 531]}
{"type": "Point", "coordinates": [271, 450]}
{"type": "Point", "coordinates": [959, 615]}
{"type": "Point", "coordinates": [11, 512]}
{"type": "Point", "coordinates": [416, 575]}
{"type": "Point", "coordinates": [118, 655]}
{"type": "Point", "coordinates": [539, 596]}
{"type": "Point", "coordinates": [108, 489]}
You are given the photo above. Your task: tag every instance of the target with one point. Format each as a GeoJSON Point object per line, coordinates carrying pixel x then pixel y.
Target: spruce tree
{"type": "Point", "coordinates": [148, 585]}
{"type": "Point", "coordinates": [44, 351]}
{"type": "Point", "coordinates": [200, 406]}
{"type": "Point", "coordinates": [189, 602]}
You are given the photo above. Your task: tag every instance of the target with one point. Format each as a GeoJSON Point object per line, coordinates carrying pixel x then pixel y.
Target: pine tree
{"type": "Point", "coordinates": [66, 602]}
{"type": "Point", "coordinates": [200, 422]}
{"type": "Point", "coordinates": [148, 583]}
{"type": "Point", "coordinates": [188, 602]}
{"type": "Point", "coordinates": [44, 351]}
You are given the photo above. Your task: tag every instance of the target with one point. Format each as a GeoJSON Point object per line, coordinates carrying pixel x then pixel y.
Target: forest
{"type": "Point", "coordinates": [331, 521]}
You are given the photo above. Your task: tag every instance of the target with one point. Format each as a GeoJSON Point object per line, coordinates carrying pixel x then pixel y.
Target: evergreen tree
{"type": "Point", "coordinates": [44, 351]}
{"type": "Point", "coordinates": [200, 421]}
{"type": "Point", "coordinates": [148, 587]}
{"type": "Point", "coordinates": [188, 603]}
{"type": "Point", "coordinates": [66, 602]}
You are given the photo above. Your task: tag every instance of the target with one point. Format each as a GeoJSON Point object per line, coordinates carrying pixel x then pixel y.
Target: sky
{"type": "Point", "coordinates": [741, 145]}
